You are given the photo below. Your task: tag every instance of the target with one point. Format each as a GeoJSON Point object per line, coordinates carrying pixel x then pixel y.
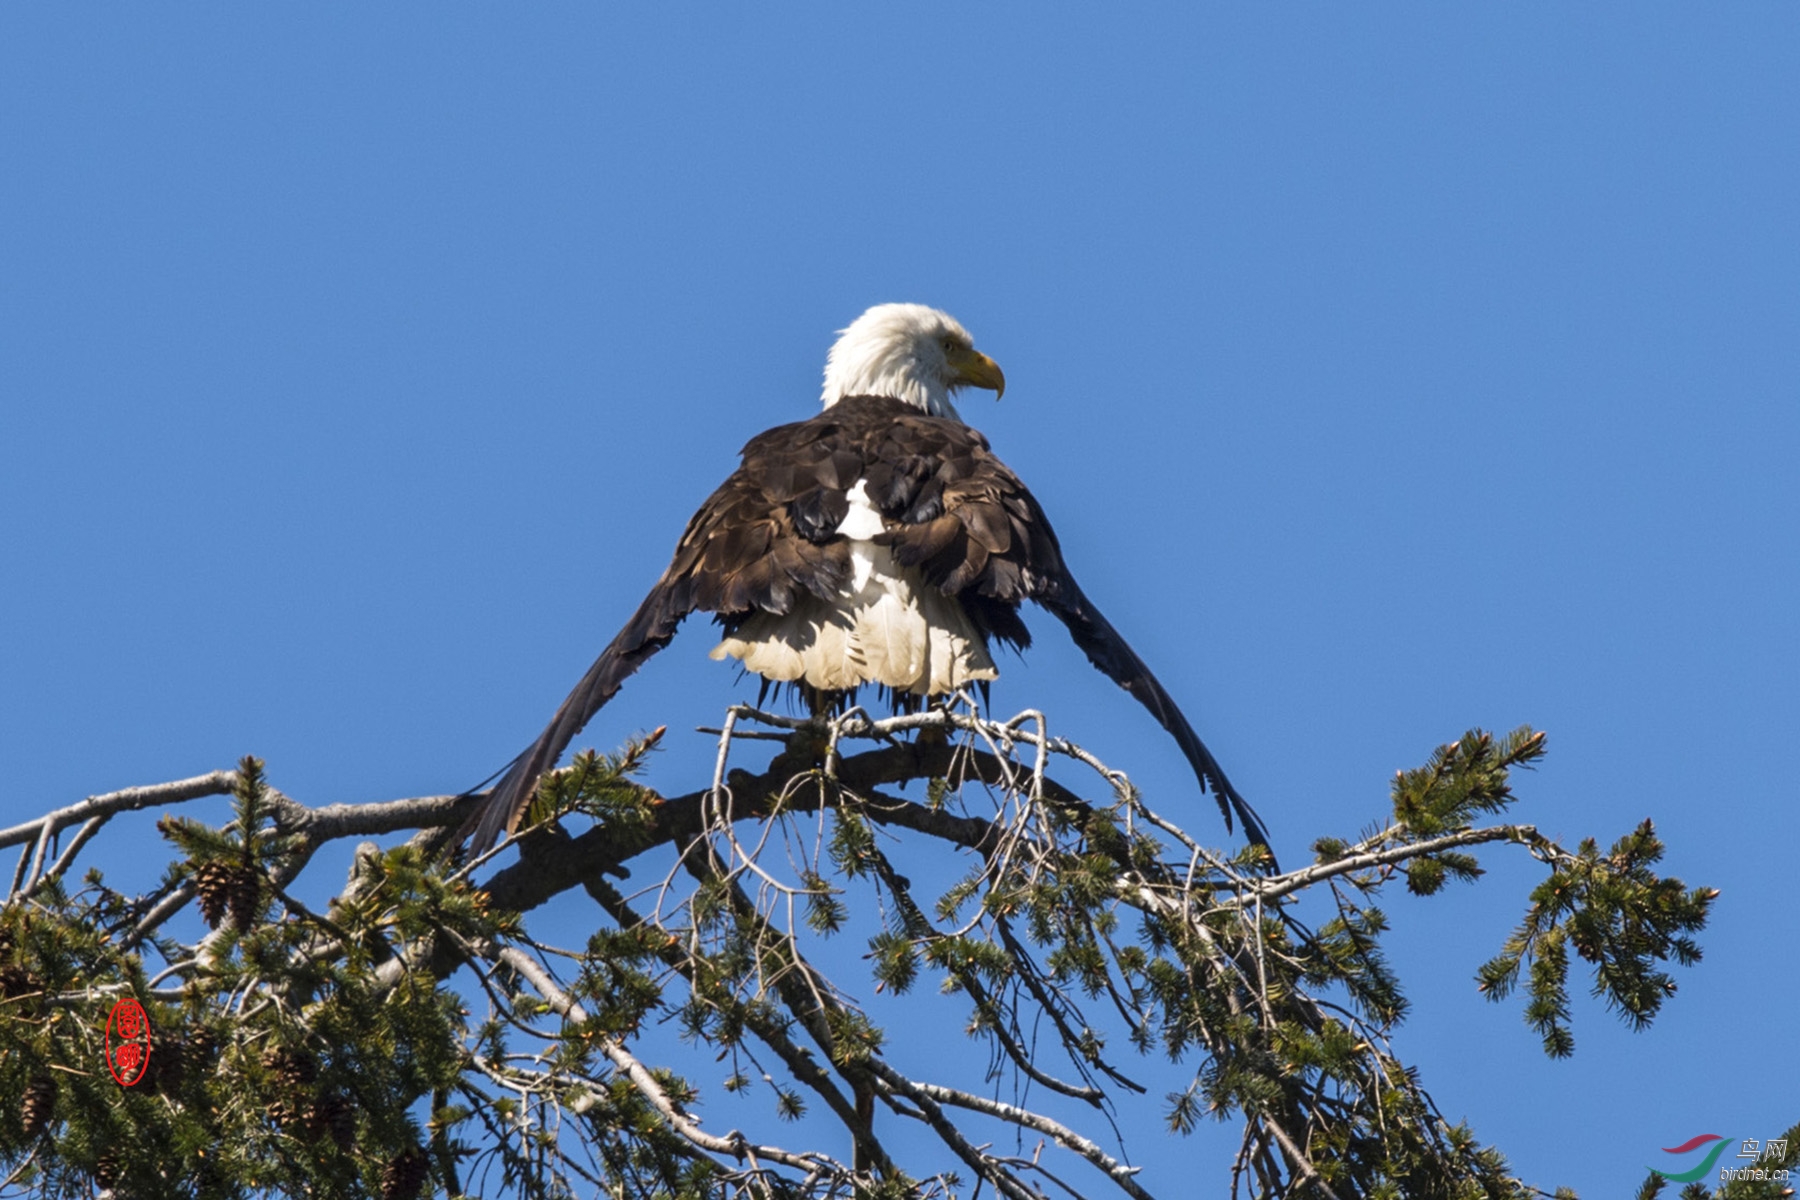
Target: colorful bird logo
{"type": "Point", "coordinates": [1694, 1143]}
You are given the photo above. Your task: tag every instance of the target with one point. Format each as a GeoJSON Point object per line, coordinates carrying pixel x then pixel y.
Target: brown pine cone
{"type": "Point", "coordinates": [294, 1069]}
{"type": "Point", "coordinates": [166, 1068]}
{"type": "Point", "coordinates": [16, 981]}
{"type": "Point", "coordinates": [241, 896]}
{"type": "Point", "coordinates": [200, 1049]}
{"type": "Point", "coordinates": [297, 1116]}
{"type": "Point", "coordinates": [178, 1057]}
{"type": "Point", "coordinates": [404, 1175]}
{"type": "Point", "coordinates": [213, 881]}
{"type": "Point", "coordinates": [106, 1170]}
{"type": "Point", "coordinates": [36, 1105]}
{"type": "Point", "coordinates": [339, 1118]}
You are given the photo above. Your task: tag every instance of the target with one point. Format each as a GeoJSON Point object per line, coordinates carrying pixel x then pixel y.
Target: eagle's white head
{"type": "Point", "coordinates": [909, 352]}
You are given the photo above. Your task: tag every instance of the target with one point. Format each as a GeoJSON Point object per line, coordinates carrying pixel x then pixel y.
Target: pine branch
{"type": "Point", "coordinates": [1275, 887]}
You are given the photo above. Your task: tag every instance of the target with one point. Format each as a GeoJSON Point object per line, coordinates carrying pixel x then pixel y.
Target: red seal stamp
{"type": "Point", "coordinates": [127, 1041]}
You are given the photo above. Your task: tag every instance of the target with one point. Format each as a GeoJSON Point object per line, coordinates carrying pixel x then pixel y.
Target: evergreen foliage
{"type": "Point", "coordinates": [340, 1053]}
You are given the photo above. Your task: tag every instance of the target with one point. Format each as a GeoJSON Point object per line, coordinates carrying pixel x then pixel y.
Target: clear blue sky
{"type": "Point", "coordinates": [1386, 372]}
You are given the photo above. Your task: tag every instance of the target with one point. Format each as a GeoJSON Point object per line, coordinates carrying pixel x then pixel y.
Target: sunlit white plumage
{"type": "Point", "coordinates": [898, 350]}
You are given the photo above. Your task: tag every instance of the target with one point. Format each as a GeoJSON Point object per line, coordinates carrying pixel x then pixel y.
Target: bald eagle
{"type": "Point", "coordinates": [879, 542]}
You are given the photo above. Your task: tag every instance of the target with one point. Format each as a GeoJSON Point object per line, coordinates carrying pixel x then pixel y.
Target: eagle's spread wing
{"type": "Point", "coordinates": [769, 534]}
{"type": "Point", "coordinates": [765, 534]}
{"type": "Point", "coordinates": [979, 534]}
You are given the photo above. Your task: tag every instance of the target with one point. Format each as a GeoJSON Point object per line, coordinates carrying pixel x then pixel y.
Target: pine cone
{"type": "Point", "coordinates": [296, 1111]}
{"type": "Point", "coordinates": [167, 1066]}
{"type": "Point", "coordinates": [241, 896]}
{"type": "Point", "coordinates": [106, 1170]}
{"type": "Point", "coordinates": [35, 1107]}
{"type": "Point", "coordinates": [299, 1117]}
{"type": "Point", "coordinates": [294, 1069]}
{"type": "Point", "coordinates": [200, 1049]}
{"type": "Point", "coordinates": [404, 1175]}
{"type": "Point", "coordinates": [213, 880]}
{"type": "Point", "coordinates": [338, 1116]}
{"type": "Point", "coordinates": [178, 1057]}
{"type": "Point", "coordinates": [16, 981]}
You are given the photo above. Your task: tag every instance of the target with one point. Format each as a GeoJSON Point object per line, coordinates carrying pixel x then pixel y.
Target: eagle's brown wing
{"type": "Point", "coordinates": [979, 534]}
{"type": "Point", "coordinates": [766, 534]}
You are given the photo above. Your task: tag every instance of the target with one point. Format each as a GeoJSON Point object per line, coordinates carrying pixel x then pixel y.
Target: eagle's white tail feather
{"type": "Point", "coordinates": [831, 660]}
{"type": "Point", "coordinates": [890, 637]}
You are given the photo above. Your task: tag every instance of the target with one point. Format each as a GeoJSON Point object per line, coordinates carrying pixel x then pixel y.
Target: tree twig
{"type": "Point", "coordinates": [216, 783]}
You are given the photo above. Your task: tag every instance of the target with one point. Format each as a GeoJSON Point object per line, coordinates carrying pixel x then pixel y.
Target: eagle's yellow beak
{"type": "Point", "coordinates": [975, 369]}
